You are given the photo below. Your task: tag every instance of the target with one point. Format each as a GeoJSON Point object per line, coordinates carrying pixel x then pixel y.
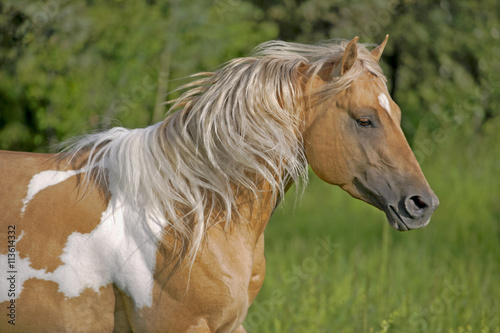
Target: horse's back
{"type": "Point", "coordinates": [16, 170]}
{"type": "Point", "coordinates": [42, 205]}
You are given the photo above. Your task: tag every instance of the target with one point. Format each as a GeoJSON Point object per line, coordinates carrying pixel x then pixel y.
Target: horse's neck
{"type": "Point", "coordinates": [258, 212]}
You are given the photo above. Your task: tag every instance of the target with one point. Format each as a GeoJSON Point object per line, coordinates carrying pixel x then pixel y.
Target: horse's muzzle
{"type": "Point", "coordinates": [412, 211]}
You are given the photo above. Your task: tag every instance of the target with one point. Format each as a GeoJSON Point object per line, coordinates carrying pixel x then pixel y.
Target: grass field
{"type": "Point", "coordinates": [335, 265]}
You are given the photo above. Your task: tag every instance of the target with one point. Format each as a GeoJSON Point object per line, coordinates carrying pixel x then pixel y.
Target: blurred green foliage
{"type": "Point", "coordinates": [440, 55]}
{"type": "Point", "coordinates": [68, 68]}
{"type": "Point", "coordinates": [73, 67]}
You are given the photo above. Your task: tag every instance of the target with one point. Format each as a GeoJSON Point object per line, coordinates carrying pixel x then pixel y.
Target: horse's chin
{"type": "Point", "coordinates": [402, 223]}
{"type": "Point", "coordinates": [397, 224]}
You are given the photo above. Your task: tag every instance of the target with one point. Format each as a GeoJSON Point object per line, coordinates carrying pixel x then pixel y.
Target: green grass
{"type": "Point", "coordinates": [443, 278]}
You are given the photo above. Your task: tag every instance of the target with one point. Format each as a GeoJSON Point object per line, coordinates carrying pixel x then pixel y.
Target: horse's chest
{"type": "Point", "coordinates": [214, 293]}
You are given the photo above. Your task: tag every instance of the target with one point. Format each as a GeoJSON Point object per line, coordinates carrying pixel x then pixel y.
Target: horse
{"type": "Point", "coordinates": [162, 228]}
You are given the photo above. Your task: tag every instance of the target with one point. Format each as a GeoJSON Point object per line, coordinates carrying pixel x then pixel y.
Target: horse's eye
{"type": "Point", "coordinates": [364, 122]}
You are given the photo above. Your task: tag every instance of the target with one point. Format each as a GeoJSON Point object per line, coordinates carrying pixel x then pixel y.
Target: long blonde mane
{"type": "Point", "coordinates": [230, 131]}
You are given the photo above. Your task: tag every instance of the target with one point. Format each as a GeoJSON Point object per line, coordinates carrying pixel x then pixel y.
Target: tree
{"type": "Point", "coordinates": [440, 58]}
{"type": "Point", "coordinates": [68, 68]}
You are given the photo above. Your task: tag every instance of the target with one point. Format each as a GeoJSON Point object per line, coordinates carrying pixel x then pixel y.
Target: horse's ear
{"type": "Point", "coordinates": [377, 52]}
{"type": "Point", "coordinates": [350, 55]}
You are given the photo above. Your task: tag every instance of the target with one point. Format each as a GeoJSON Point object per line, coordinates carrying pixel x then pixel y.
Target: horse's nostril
{"type": "Point", "coordinates": [418, 202]}
{"type": "Point", "coordinates": [416, 206]}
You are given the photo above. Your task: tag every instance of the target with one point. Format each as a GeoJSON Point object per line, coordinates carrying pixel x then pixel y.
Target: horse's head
{"type": "Point", "coordinates": [353, 138]}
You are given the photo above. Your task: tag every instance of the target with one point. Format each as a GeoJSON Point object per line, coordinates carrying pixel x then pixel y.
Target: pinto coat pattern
{"type": "Point", "coordinates": [162, 228]}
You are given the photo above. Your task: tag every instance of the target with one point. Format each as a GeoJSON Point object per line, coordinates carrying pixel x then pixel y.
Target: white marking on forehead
{"type": "Point", "coordinates": [384, 102]}
{"type": "Point", "coordinates": [45, 179]}
{"type": "Point", "coordinates": [120, 250]}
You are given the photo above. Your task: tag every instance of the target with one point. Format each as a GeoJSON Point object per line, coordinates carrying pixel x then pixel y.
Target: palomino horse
{"type": "Point", "coordinates": [161, 228]}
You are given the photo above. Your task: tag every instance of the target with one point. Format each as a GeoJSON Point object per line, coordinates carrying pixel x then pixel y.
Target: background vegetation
{"type": "Point", "coordinates": [334, 265]}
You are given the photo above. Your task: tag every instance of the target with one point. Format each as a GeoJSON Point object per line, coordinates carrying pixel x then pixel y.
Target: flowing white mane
{"type": "Point", "coordinates": [233, 129]}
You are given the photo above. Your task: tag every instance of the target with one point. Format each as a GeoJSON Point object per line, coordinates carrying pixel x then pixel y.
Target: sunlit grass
{"type": "Point", "coordinates": [443, 278]}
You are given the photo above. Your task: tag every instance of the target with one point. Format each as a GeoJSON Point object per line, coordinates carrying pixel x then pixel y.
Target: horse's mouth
{"type": "Point", "coordinates": [403, 213]}
{"type": "Point", "coordinates": [396, 221]}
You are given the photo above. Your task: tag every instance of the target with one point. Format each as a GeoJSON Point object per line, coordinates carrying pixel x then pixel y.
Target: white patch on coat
{"type": "Point", "coordinates": [46, 179]}
{"type": "Point", "coordinates": [120, 250]}
{"type": "Point", "coordinates": [384, 102]}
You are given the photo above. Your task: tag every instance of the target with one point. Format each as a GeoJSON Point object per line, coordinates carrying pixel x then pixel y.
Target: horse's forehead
{"type": "Point", "coordinates": [369, 91]}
